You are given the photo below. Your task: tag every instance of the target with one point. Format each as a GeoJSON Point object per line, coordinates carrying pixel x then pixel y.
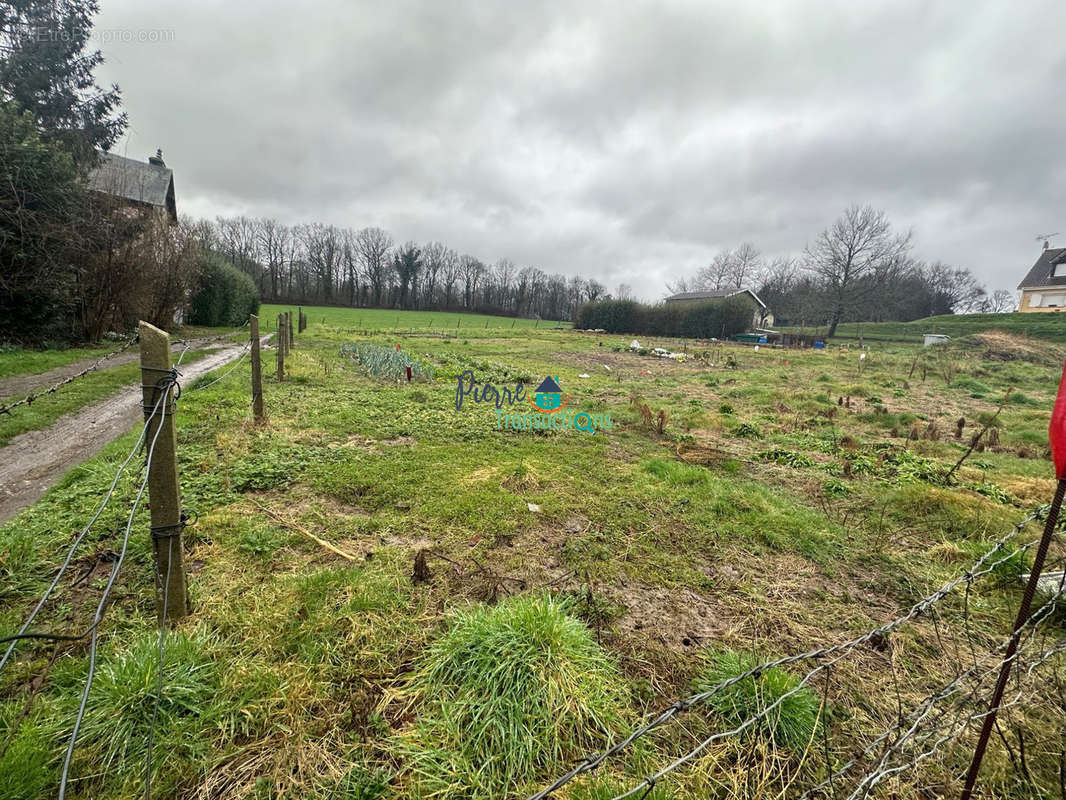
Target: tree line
{"type": "Point", "coordinates": [325, 264]}
{"type": "Point", "coordinates": [857, 269]}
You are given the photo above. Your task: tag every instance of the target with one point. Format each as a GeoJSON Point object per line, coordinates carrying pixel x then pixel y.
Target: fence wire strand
{"type": "Point", "coordinates": [980, 567]}
{"type": "Point", "coordinates": [28, 399]}
{"type": "Point", "coordinates": [165, 386]}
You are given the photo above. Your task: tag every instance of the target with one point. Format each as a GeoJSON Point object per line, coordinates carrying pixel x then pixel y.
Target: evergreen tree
{"type": "Point", "coordinates": [46, 67]}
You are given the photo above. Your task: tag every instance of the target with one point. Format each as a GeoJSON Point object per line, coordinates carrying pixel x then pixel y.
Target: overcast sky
{"type": "Point", "coordinates": [623, 141]}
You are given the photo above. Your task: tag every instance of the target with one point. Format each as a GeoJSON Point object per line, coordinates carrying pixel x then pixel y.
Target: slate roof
{"type": "Point", "coordinates": [1040, 274]}
{"type": "Point", "coordinates": [714, 294]}
{"type": "Point", "coordinates": [548, 386]}
{"type": "Point", "coordinates": [134, 180]}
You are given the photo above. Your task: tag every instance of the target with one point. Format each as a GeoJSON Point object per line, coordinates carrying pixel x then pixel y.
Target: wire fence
{"type": "Point", "coordinates": [28, 399]}
{"type": "Point", "coordinates": [828, 656]}
{"type": "Point", "coordinates": [187, 345]}
{"type": "Point", "coordinates": [943, 715]}
{"type": "Point", "coordinates": [168, 391]}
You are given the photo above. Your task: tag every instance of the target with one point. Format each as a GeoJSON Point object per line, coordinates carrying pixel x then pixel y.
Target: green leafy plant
{"type": "Point", "coordinates": [790, 458]}
{"type": "Point", "coordinates": [386, 362]}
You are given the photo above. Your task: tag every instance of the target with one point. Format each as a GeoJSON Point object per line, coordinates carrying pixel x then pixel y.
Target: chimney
{"type": "Point", "coordinates": [157, 161]}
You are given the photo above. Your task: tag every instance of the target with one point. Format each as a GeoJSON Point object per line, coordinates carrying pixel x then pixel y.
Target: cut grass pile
{"type": "Point", "coordinates": [508, 694]}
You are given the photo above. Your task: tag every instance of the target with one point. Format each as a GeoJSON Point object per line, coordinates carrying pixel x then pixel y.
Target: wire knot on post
{"type": "Point", "coordinates": [163, 385]}
{"type": "Point", "coordinates": [175, 529]}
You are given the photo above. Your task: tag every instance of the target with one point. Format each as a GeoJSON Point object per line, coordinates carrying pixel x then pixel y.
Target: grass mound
{"type": "Point", "coordinates": [791, 724]}
{"type": "Point", "coordinates": [508, 693]}
{"type": "Point", "coordinates": [1002, 346]}
{"type": "Point", "coordinates": [114, 735]}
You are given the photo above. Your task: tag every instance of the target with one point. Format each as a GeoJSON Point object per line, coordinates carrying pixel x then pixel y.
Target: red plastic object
{"type": "Point", "coordinates": [1057, 430]}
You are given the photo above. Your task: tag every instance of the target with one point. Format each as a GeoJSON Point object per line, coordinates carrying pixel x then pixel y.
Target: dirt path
{"type": "Point", "coordinates": [18, 385]}
{"type": "Point", "coordinates": [33, 461]}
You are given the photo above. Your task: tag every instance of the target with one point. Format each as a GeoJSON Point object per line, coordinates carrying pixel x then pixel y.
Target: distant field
{"type": "Point", "coordinates": [380, 319]}
{"type": "Point", "coordinates": [1041, 326]}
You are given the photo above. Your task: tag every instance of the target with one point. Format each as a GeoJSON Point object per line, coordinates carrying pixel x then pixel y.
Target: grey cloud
{"type": "Point", "coordinates": [626, 141]}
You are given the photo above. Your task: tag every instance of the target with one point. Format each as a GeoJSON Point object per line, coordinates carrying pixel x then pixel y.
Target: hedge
{"type": "Point", "coordinates": [713, 318]}
{"type": "Point", "coordinates": [226, 295]}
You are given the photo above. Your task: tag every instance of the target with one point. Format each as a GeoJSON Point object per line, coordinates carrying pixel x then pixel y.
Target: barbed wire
{"type": "Point", "coordinates": [926, 706]}
{"type": "Point", "coordinates": [32, 396]}
{"type": "Point", "coordinates": [650, 781]}
{"type": "Point", "coordinates": [980, 567]}
{"type": "Point", "coordinates": [28, 399]}
{"type": "Point", "coordinates": [883, 771]}
{"type": "Point", "coordinates": [164, 385]}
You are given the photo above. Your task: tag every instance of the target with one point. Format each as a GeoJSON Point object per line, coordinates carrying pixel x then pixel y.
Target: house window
{"type": "Point", "coordinates": [1034, 299]}
{"type": "Point", "coordinates": [1054, 300]}
{"type": "Point", "coordinates": [1059, 270]}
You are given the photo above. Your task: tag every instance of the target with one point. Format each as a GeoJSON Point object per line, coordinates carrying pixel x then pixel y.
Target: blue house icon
{"type": "Point", "coordinates": [548, 395]}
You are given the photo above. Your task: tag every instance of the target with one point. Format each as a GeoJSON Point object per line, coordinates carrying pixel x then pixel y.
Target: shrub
{"type": "Point", "coordinates": [704, 320]}
{"type": "Point", "coordinates": [226, 296]}
{"type": "Point", "coordinates": [792, 724]}
{"type": "Point", "coordinates": [508, 692]}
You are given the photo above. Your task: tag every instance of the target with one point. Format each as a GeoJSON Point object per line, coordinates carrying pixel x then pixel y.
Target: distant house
{"type": "Point", "coordinates": [761, 317]}
{"type": "Point", "coordinates": [145, 185]}
{"type": "Point", "coordinates": [1044, 287]}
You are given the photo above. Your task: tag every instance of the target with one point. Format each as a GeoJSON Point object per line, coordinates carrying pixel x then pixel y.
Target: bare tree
{"type": "Point", "coordinates": [859, 245]}
{"type": "Point", "coordinates": [1001, 301]}
{"type": "Point", "coordinates": [746, 261]}
{"type": "Point", "coordinates": [433, 255]}
{"type": "Point", "coordinates": [954, 289]}
{"type": "Point", "coordinates": [473, 272]}
{"type": "Point", "coordinates": [715, 276]}
{"type": "Point", "coordinates": [451, 269]}
{"type": "Point", "coordinates": [374, 245]}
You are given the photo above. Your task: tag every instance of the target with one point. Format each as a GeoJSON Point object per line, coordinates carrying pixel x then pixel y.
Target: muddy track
{"type": "Point", "coordinates": [33, 461]}
{"type": "Point", "coordinates": [18, 385]}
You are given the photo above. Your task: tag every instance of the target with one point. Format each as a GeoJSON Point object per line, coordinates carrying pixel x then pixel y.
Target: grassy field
{"type": "Point", "coordinates": [744, 505]}
{"type": "Point", "coordinates": [1050, 327]}
{"type": "Point", "coordinates": [382, 319]}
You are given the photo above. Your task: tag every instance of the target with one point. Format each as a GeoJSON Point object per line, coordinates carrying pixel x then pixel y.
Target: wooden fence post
{"type": "Point", "coordinates": [164, 492]}
{"type": "Point", "coordinates": [288, 324]}
{"type": "Point", "coordinates": [257, 372]}
{"type": "Point", "coordinates": [280, 346]}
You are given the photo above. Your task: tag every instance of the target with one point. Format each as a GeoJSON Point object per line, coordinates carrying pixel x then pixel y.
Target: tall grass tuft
{"type": "Point", "coordinates": [792, 724]}
{"type": "Point", "coordinates": [507, 695]}
{"type": "Point", "coordinates": [114, 735]}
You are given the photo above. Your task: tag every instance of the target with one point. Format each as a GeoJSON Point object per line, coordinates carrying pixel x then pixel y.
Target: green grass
{"type": "Point", "coordinates": [604, 564]}
{"type": "Point", "coordinates": [791, 712]}
{"type": "Point", "coordinates": [509, 694]}
{"type": "Point", "coordinates": [383, 319]}
{"type": "Point", "coordinates": [1037, 325]}
{"type": "Point", "coordinates": [28, 361]}
{"type": "Point", "coordinates": [84, 391]}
